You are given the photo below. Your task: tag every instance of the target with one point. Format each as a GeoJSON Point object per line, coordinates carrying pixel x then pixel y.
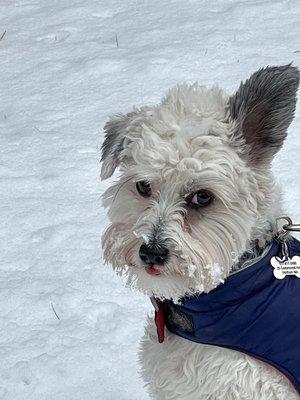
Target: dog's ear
{"type": "Point", "coordinates": [115, 141]}
{"type": "Point", "coordinates": [263, 108]}
{"type": "Point", "coordinates": [113, 145]}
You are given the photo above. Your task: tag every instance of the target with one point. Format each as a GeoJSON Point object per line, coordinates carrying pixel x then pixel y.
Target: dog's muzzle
{"type": "Point", "coordinates": [152, 254]}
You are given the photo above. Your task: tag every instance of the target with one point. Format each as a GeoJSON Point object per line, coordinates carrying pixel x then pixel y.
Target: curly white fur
{"type": "Point", "coordinates": [197, 138]}
{"type": "Point", "coordinates": [182, 146]}
{"type": "Point", "coordinates": [182, 370]}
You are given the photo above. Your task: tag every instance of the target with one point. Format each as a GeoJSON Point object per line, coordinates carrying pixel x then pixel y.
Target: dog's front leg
{"type": "Point", "coordinates": [170, 369]}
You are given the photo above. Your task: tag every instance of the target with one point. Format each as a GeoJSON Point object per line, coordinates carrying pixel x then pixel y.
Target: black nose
{"type": "Point", "coordinates": [152, 254]}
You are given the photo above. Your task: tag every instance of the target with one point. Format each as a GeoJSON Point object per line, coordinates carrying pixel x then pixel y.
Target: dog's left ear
{"type": "Point", "coordinates": [263, 108]}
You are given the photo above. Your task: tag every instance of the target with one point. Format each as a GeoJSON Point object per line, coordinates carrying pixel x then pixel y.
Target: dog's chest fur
{"type": "Point", "coordinates": [182, 370]}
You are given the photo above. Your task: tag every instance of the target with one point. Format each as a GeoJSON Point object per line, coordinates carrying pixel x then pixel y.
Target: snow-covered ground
{"type": "Point", "coordinates": [65, 66]}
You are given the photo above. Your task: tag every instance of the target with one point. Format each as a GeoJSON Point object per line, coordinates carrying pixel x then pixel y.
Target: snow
{"type": "Point", "coordinates": [65, 66]}
{"type": "Point", "coordinates": [217, 273]}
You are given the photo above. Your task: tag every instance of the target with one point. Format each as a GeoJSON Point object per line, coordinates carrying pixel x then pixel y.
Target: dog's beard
{"type": "Point", "coordinates": [198, 262]}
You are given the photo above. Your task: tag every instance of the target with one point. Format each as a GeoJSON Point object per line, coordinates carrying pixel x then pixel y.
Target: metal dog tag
{"type": "Point", "coordinates": [286, 266]}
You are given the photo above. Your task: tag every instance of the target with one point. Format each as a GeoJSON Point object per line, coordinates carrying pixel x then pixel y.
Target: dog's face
{"type": "Point", "coordinates": [195, 186]}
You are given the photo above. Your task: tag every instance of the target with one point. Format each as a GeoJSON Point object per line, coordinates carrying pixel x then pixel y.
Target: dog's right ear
{"type": "Point", "coordinates": [113, 145]}
{"type": "Point", "coordinates": [117, 131]}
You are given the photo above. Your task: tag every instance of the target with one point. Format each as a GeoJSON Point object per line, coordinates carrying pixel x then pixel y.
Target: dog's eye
{"type": "Point", "coordinates": [143, 188]}
{"type": "Point", "coordinates": [201, 198]}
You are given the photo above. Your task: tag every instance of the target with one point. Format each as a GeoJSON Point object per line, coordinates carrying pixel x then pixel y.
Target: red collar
{"type": "Point", "coordinates": [159, 319]}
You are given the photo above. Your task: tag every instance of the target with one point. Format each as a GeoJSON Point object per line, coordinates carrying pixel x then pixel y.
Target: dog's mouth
{"type": "Point", "coordinates": [152, 270]}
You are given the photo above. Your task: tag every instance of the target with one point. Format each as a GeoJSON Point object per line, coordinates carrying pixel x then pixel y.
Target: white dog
{"type": "Point", "coordinates": [195, 202]}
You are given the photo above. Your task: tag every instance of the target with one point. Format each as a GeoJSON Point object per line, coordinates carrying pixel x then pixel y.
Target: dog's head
{"type": "Point", "coordinates": [195, 185]}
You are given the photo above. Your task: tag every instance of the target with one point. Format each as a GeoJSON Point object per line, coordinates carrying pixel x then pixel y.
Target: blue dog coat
{"type": "Point", "coordinates": [253, 312]}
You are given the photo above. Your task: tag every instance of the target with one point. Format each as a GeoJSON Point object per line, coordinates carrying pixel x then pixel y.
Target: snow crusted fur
{"type": "Point", "coordinates": [195, 190]}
